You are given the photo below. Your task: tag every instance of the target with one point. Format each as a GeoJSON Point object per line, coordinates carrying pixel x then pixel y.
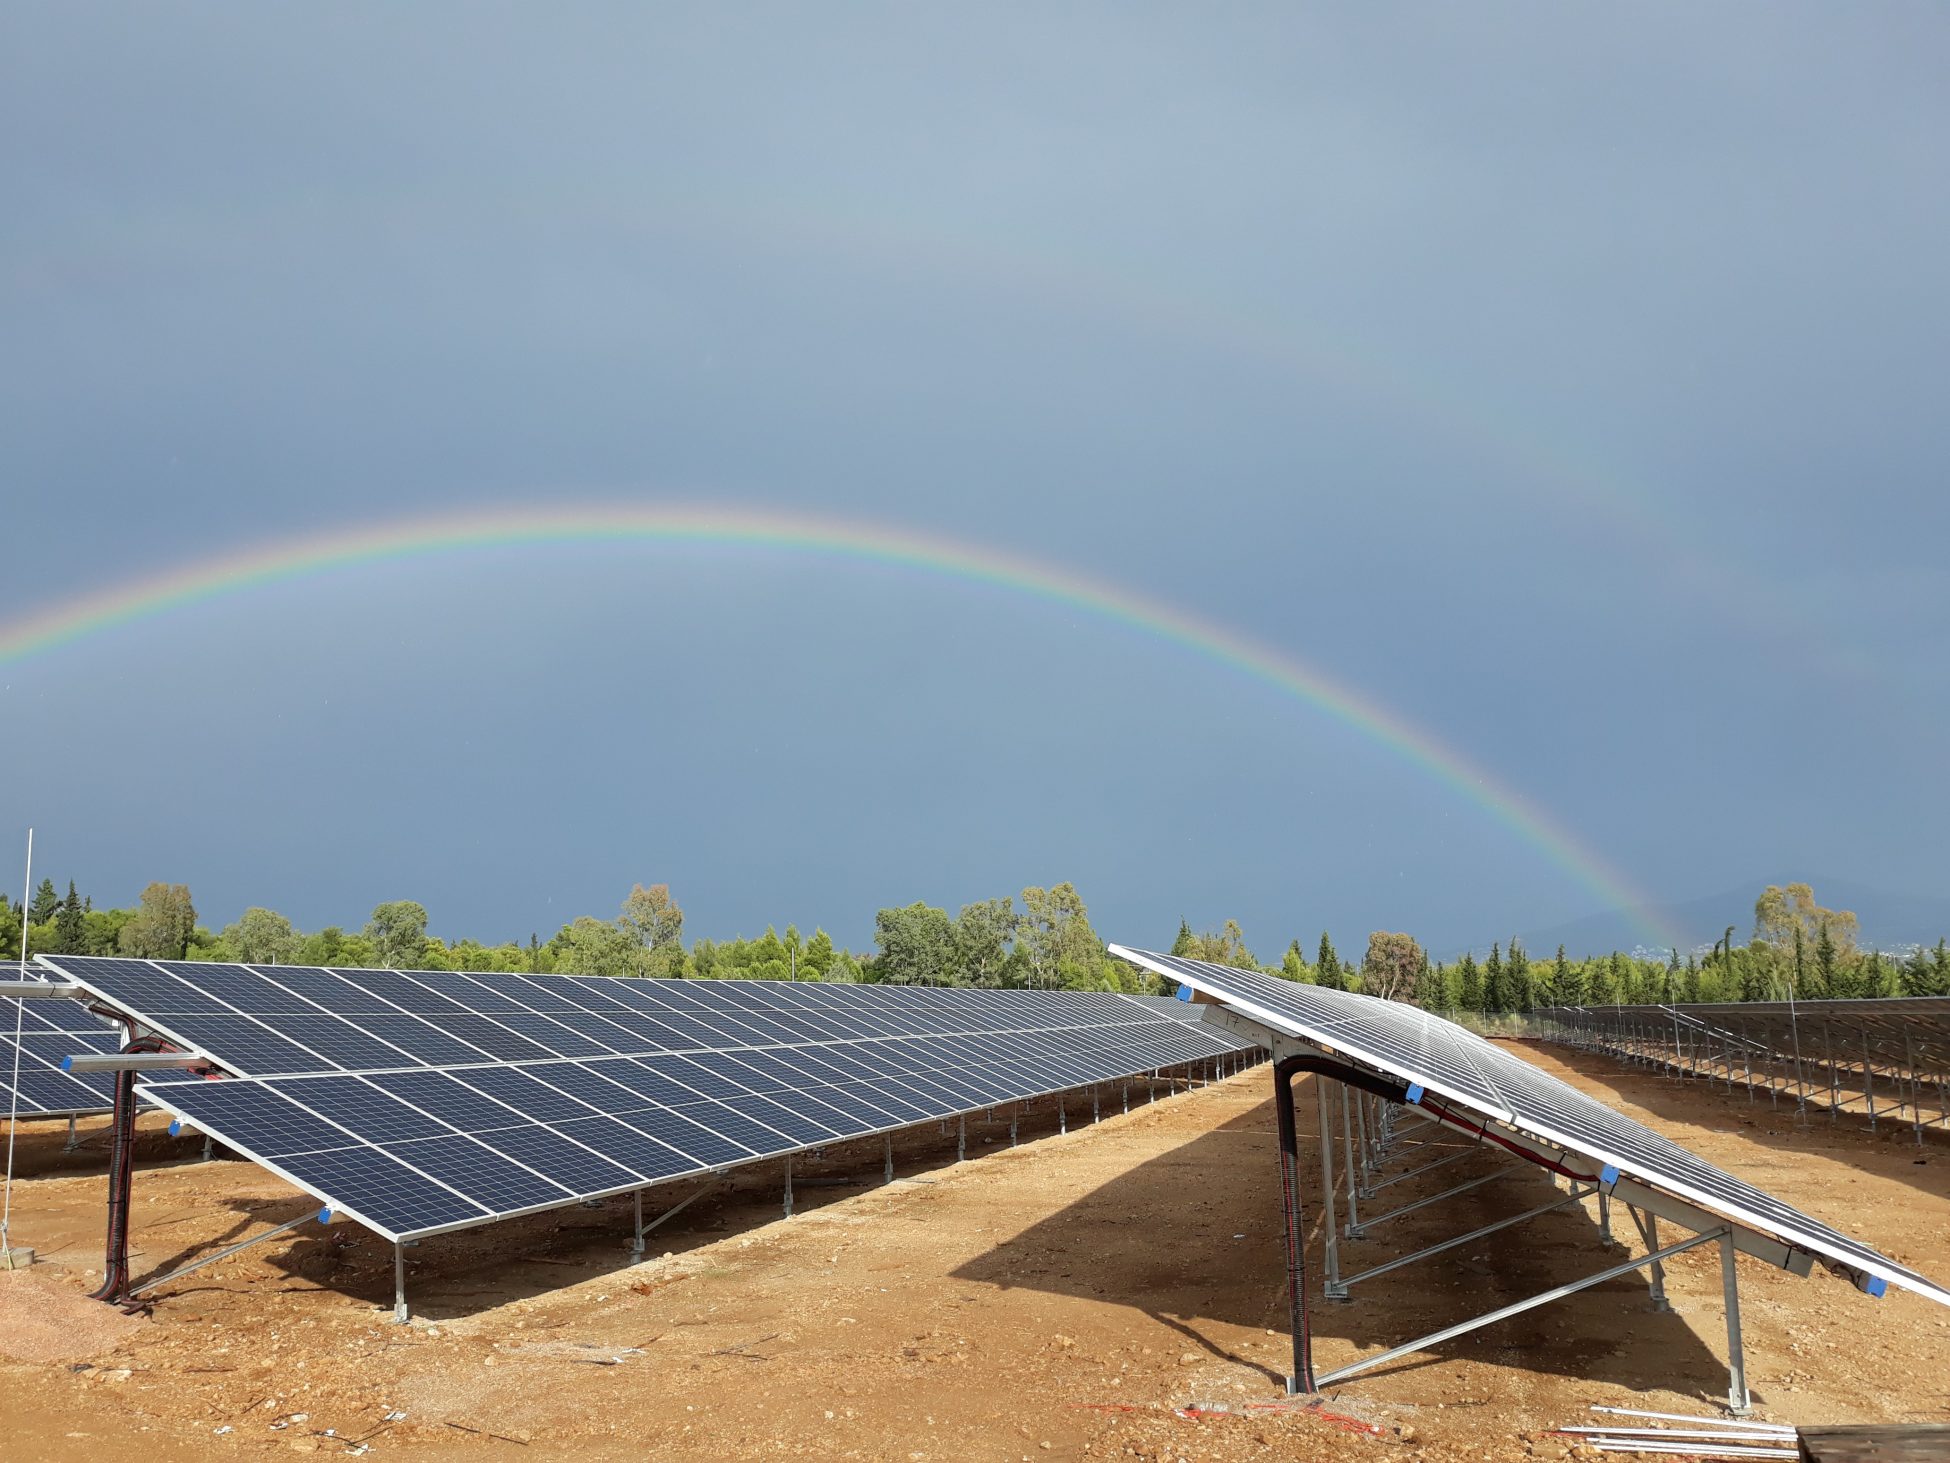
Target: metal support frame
{"type": "Point", "coordinates": [1577, 1195]}
{"type": "Point", "coordinates": [1353, 1230]}
{"type": "Point", "coordinates": [1332, 1288]}
{"type": "Point", "coordinates": [257, 1239]}
{"type": "Point", "coordinates": [1737, 1399]}
{"type": "Point", "coordinates": [74, 1138]}
{"type": "Point", "coordinates": [636, 1248]}
{"type": "Point", "coordinates": [401, 1313]}
{"type": "Point", "coordinates": [1436, 1198]}
{"type": "Point", "coordinates": [961, 1138]}
{"type": "Point", "coordinates": [1490, 1318]}
{"type": "Point", "coordinates": [1432, 1164]}
{"type": "Point", "coordinates": [887, 1152]}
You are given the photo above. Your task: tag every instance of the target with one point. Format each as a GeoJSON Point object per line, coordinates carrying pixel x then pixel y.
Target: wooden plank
{"type": "Point", "coordinates": [1916, 1442]}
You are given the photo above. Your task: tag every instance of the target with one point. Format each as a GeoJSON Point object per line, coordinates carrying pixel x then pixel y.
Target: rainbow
{"type": "Point", "coordinates": [236, 573]}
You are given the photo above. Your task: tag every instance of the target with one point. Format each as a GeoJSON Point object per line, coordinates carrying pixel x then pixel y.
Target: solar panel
{"type": "Point", "coordinates": [424, 1101]}
{"type": "Point", "coordinates": [52, 1028]}
{"type": "Point", "coordinates": [1425, 1050]}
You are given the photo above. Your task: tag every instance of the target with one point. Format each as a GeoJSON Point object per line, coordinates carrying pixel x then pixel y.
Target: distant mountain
{"type": "Point", "coordinates": [1889, 921]}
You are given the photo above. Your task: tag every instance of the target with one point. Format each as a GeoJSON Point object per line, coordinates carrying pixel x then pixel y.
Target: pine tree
{"type": "Point", "coordinates": [1187, 942]}
{"type": "Point", "coordinates": [1517, 978]}
{"type": "Point", "coordinates": [1496, 992]}
{"type": "Point", "coordinates": [1293, 965]}
{"type": "Point", "coordinates": [1825, 967]}
{"type": "Point", "coordinates": [1469, 984]}
{"type": "Point", "coordinates": [1328, 965]}
{"type": "Point", "coordinates": [46, 901]}
{"type": "Point", "coordinates": [70, 933]}
{"type": "Point", "coordinates": [1566, 988]}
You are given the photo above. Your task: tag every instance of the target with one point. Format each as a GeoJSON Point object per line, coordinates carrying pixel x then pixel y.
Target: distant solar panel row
{"type": "Point", "coordinates": [1443, 1057]}
{"type": "Point", "coordinates": [423, 1101]}
{"type": "Point", "coordinates": [51, 1029]}
{"type": "Point", "coordinates": [266, 1021]}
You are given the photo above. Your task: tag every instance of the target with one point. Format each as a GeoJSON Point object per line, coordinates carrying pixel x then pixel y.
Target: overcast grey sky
{"type": "Point", "coordinates": [1568, 379]}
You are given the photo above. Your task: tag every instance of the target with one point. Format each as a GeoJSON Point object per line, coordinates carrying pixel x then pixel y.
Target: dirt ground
{"type": "Point", "coordinates": [1073, 1297]}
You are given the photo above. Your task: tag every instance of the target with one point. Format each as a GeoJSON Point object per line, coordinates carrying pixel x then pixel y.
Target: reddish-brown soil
{"type": "Point", "coordinates": [1068, 1298]}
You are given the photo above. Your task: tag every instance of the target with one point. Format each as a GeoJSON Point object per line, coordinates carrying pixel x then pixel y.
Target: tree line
{"type": "Point", "coordinates": [1039, 939]}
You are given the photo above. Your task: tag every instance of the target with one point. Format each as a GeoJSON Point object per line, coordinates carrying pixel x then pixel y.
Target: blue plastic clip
{"type": "Point", "coordinates": [325, 1215]}
{"type": "Point", "coordinates": [1608, 1175]}
{"type": "Point", "coordinates": [1877, 1286]}
{"type": "Point", "coordinates": [175, 1127]}
{"type": "Point", "coordinates": [1184, 993]}
{"type": "Point", "coordinates": [67, 1064]}
{"type": "Point", "coordinates": [1414, 1093]}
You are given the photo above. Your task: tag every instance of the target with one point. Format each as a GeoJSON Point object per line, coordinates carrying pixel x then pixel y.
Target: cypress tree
{"type": "Point", "coordinates": [1185, 944]}
{"type": "Point", "coordinates": [1469, 984]}
{"type": "Point", "coordinates": [1328, 965]}
{"type": "Point", "coordinates": [1566, 988]}
{"type": "Point", "coordinates": [70, 934]}
{"type": "Point", "coordinates": [46, 901]}
{"type": "Point", "coordinates": [1496, 994]}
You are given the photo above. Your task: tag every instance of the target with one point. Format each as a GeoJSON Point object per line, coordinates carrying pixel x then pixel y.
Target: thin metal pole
{"type": "Point", "coordinates": [1576, 1195]}
{"type": "Point", "coordinates": [225, 1253]}
{"type": "Point", "coordinates": [1648, 1224]}
{"type": "Point", "coordinates": [1436, 1338]}
{"type": "Point", "coordinates": [1436, 1198]}
{"type": "Point", "coordinates": [1737, 1400]}
{"type": "Point", "coordinates": [788, 1186]}
{"type": "Point", "coordinates": [1062, 1116]}
{"type": "Point", "coordinates": [13, 1092]}
{"type": "Point", "coordinates": [74, 1138]}
{"type": "Point", "coordinates": [1334, 1290]}
{"type": "Point", "coordinates": [961, 1138]}
{"type": "Point", "coordinates": [887, 1152]}
{"type": "Point", "coordinates": [1420, 1169]}
{"type": "Point", "coordinates": [636, 1247]}
{"type": "Point", "coordinates": [401, 1315]}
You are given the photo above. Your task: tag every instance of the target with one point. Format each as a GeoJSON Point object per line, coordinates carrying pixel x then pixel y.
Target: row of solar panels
{"type": "Point", "coordinates": [1911, 1032]}
{"type": "Point", "coordinates": [1429, 1052]}
{"type": "Point", "coordinates": [424, 1101]}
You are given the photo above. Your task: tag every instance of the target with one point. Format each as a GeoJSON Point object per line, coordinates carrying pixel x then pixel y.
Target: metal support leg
{"type": "Point", "coordinates": [961, 1139]}
{"type": "Point", "coordinates": [401, 1315]}
{"type": "Point", "coordinates": [1353, 1230]}
{"type": "Point", "coordinates": [1062, 1116]}
{"type": "Point", "coordinates": [1648, 1224]}
{"type": "Point", "coordinates": [1737, 1400]}
{"type": "Point", "coordinates": [1096, 1112]}
{"type": "Point", "coordinates": [1127, 1099]}
{"type": "Point", "coordinates": [74, 1141]}
{"type": "Point", "coordinates": [1367, 1149]}
{"type": "Point", "coordinates": [788, 1186]}
{"type": "Point", "coordinates": [636, 1245]}
{"type": "Point", "coordinates": [1014, 1118]}
{"type": "Point", "coordinates": [208, 1147]}
{"type": "Point", "coordinates": [1604, 1217]}
{"type": "Point", "coordinates": [1333, 1289]}
{"type": "Point", "coordinates": [887, 1152]}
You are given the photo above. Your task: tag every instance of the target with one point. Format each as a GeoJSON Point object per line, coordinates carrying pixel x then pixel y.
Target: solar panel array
{"type": "Point", "coordinates": [52, 1028]}
{"type": "Point", "coordinates": [1442, 1057]}
{"type": "Point", "coordinates": [425, 1101]}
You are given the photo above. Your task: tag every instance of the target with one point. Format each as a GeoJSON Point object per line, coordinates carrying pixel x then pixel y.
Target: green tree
{"type": "Point", "coordinates": [819, 955]}
{"type": "Point", "coordinates": [1327, 965]}
{"type": "Point", "coordinates": [44, 904]}
{"type": "Point", "coordinates": [1827, 967]}
{"type": "Point", "coordinates": [262, 937]}
{"type": "Point", "coordinates": [1782, 915]}
{"type": "Point", "coordinates": [655, 926]}
{"type": "Point", "coordinates": [1391, 965]}
{"type": "Point", "coordinates": [1293, 965]}
{"type": "Point", "coordinates": [1516, 978]}
{"type": "Point", "coordinates": [397, 933]}
{"type": "Point", "coordinates": [1055, 932]}
{"type": "Point", "coordinates": [1567, 988]}
{"type": "Point", "coordinates": [162, 925]}
{"type": "Point", "coordinates": [1186, 941]}
{"type": "Point", "coordinates": [982, 936]}
{"type": "Point", "coordinates": [1469, 984]}
{"type": "Point", "coordinates": [591, 946]}
{"type": "Point", "coordinates": [1496, 991]}
{"type": "Point", "coordinates": [917, 946]}
{"type": "Point", "coordinates": [70, 928]}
